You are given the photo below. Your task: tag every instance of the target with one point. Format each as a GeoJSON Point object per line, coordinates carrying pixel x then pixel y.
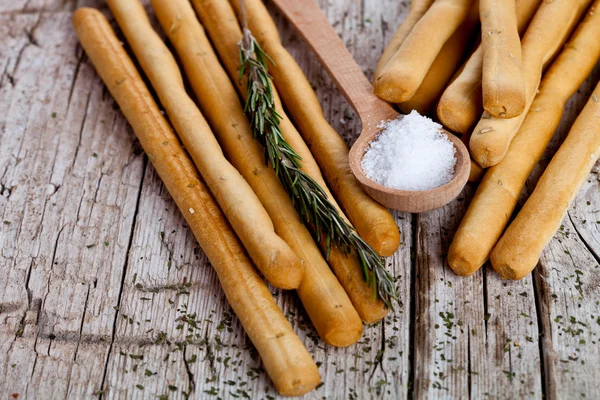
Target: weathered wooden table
{"type": "Point", "coordinates": [104, 291]}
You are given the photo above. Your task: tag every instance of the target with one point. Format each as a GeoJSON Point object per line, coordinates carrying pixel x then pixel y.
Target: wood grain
{"type": "Point", "coordinates": [99, 269]}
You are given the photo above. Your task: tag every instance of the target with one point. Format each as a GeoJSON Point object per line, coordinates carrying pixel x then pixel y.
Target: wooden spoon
{"type": "Point", "coordinates": [310, 22]}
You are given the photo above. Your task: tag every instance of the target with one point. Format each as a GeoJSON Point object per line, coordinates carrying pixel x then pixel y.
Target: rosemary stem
{"type": "Point", "coordinates": [308, 197]}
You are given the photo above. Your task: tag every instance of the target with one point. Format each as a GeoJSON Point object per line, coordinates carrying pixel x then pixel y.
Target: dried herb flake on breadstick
{"type": "Point", "coordinates": [285, 358]}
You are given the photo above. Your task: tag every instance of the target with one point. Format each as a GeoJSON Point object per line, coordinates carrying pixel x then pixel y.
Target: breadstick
{"type": "Point", "coordinates": [503, 83]}
{"type": "Point", "coordinates": [476, 172]}
{"type": "Point", "coordinates": [417, 9]}
{"type": "Point", "coordinates": [498, 193]}
{"type": "Point", "coordinates": [324, 299]}
{"type": "Point", "coordinates": [273, 257]}
{"type": "Point", "coordinates": [373, 222]}
{"type": "Point", "coordinates": [461, 104]}
{"type": "Point", "coordinates": [285, 358]}
{"type": "Point", "coordinates": [545, 35]}
{"type": "Point", "coordinates": [518, 250]}
{"type": "Point", "coordinates": [404, 73]}
{"type": "Point", "coordinates": [444, 66]}
{"type": "Point", "coordinates": [225, 36]}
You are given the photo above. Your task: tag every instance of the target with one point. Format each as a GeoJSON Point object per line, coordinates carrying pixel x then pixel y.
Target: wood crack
{"type": "Point", "coordinates": [190, 374]}
{"type": "Point", "coordinates": [95, 197]}
{"type": "Point", "coordinates": [583, 241]}
{"type": "Point", "coordinates": [486, 314]}
{"type": "Point", "coordinates": [541, 301]}
{"type": "Point", "coordinates": [80, 59]}
{"type": "Point", "coordinates": [30, 33]}
{"type": "Point", "coordinates": [124, 273]}
{"type": "Point", "coordinates": [9, 77]}
{"type": "Point", "coordinates": [413, 305]}
{"type": "Point", "coordinates": [469, 381]}
{"type": "Point", "coordinates": [85, 114]}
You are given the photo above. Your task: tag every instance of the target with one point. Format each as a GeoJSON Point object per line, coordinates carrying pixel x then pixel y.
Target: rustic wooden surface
{"type": "Point", "coordinates": [105, 293]}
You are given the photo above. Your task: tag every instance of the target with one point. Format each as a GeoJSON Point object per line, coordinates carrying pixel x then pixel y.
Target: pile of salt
{"type": "Point", "coordinates": [410, 154]}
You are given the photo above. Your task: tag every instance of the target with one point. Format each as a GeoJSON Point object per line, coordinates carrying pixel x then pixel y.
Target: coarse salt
{"type": "Point", "coordinates": [410, 153]}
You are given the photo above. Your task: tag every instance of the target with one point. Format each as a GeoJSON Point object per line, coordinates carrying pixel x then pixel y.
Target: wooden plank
{"type": "Point", "coordinates": [70, 177]}
{"type": "Point", "coordinates": [476, 336]}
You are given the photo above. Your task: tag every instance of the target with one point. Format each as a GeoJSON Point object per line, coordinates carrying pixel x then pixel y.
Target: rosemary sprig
{"type": "Point", "coordinates": [308, 196]}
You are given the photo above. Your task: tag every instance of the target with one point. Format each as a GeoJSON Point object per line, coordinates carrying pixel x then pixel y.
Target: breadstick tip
{"type": "Point", "coordinates": [83, 12]}
{"type": "Point", "coordinates": [460, 264]}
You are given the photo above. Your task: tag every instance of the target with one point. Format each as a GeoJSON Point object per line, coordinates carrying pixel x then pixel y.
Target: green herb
{"type": "Point", "coordinates": [308, 197]}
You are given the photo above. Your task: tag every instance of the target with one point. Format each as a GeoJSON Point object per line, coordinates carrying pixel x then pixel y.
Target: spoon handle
{"type": "Point", "coordinates": [309, 21]}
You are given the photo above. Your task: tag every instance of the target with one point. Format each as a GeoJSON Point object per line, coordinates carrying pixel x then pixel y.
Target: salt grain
{"type": "Point", "coordinates": [410, 154]}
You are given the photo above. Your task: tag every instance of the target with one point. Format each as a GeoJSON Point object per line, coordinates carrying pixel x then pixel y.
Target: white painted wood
{"type": "Point", "coordinates": [102, 281]}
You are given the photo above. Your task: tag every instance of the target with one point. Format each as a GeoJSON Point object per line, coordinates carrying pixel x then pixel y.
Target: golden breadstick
{"type": "Point", "coordinates": [461, 104]}
{"type": "Point", "coordinates": [225, 37]}
{"type": "Point", "coordinates": [373, 222]}
{"type": "Point", "coordinates": [285, 358]}
{"type": "Point", "coordinates": [503, 83]}
{"type": "Point", "coordinates": [518, 250]}
{"type": "Point", "coordinates": [498, 193]}
{"type": "Point", "coordinates": [324, 299]}
{"type": "Point", "coordinates": [546, 33]}
{"type": "Point", "coordinates": [476, 172]}
{"type": "Point", "coordinates": [444, 66]}
{"type": "Point", "coordinates": [417, 9]}
{"type": "Point", "coordinates": [404, 73]}
{"type": "Point", "coordinates": [273, 257]}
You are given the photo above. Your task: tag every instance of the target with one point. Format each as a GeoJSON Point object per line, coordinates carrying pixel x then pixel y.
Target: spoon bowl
{"type": "Point", "coordinates": [316, 30]}
{"type": "Point", "coordinates": [414, 201]}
